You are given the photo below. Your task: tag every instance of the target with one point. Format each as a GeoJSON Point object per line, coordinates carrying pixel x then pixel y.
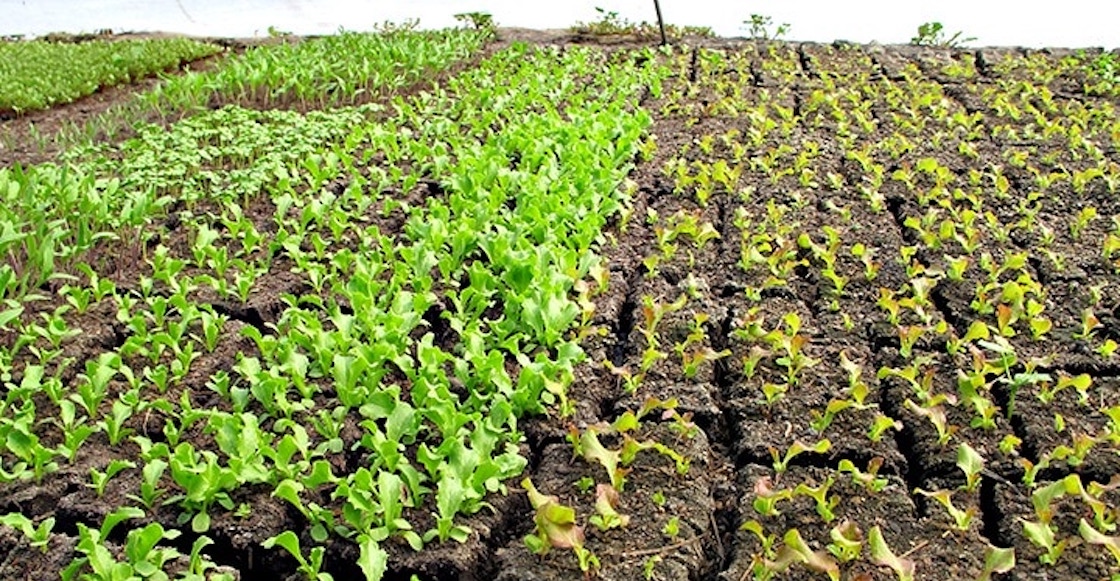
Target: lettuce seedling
{"type": "Point", "coordinates": [1081, 383]}
{"type": "Point", "coordinates": [880, 425]}
{"type": "Point", "coordinates": [556, 527]}
{"type": "Point", "coordinates": [847, 541]}
{"type": "Point", "coordinates": [672, 528]}
{"type": "Point", "coordinates": [204, 481]}
{"type": "Point", "coordinates": [38, 536]}
{"type": "Point", "coordinates": [868, 479]}
{"type": "Point", "coordinates": [75, 429]}
{"type": "Point", "coordinates": [961, 518]}
{"type": "Point", "coordinates": [322, 520]}
{"type": "Point", "coordinates": [149, 483]}
{"type": "Point", "coordinates": [795, 550]}
{"type": "Point", "coordinates": [1081, 222]}
{"type": "Point", "coordinates": [114, 424]}
{"type": "Point", "coordinates": [971, 463]}
{"type": "Point", "coordinates": [25, 445]}
{"type": "Point", "coordinates": [997, 560]}
{"type": "Point", "coordinates": [310, 566]}
{"type": "Point", "coordinates": [99, 480]}
{"type": "Point", "coordinates": [766, 540]}
{"type": "Point", "coordinates": [766, 497]}
{"type": "Point", "coordinates": [95, 554]}
{"type": "Point", "coordinates": [882, 555]}
{"type": "Point", "coordinates": [857, 388]}
{"type": "Point", "coordinates": [1042, 535]}
{"type": "Point", "coordinates": [792, 343]}
{"type": "Point", "coordinates": [588, 446]}
{"type": "Point", "coordinates": [606, 517]}
{"type": "Point", "coordinates": [824, 502]}
{"type": "Point", "coordinates": [1072, 455]}
{"type": "Point", "coordinates": [822, 420]}
{"type": "Point", "coordinates": [453, 495]}
{"type": "Point", "coordinates": [1095, 537]}
{"type": "Point", "coordinates": [140, 549]}
{"type": "Point", "coordinates": [908, 336]}
{"type": "Point", "coordinates": [781, 462]}
{"type": "Point", "coordinates": [970, 386]}
{"type": "Point", "coordinates": [935, 413]}
{"type": "Point", "coordinates": [372, 559]}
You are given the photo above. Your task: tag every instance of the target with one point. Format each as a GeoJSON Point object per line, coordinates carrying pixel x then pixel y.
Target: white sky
{"type": "Point", "coordinates": [1070, 23]}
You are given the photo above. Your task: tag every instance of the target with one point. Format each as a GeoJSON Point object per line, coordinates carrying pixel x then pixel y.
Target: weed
{"type": "Point", "coordinates": [934, 34]}
{"type": "Point", "coordinates": [761, 27]}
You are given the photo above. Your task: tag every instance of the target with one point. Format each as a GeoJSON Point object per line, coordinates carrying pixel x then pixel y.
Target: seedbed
{"type": "Point", "coordinates": [731, 310]}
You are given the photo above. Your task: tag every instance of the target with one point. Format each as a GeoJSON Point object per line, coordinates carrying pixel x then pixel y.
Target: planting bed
{"type": "Point", "coordinates": [735, 311]}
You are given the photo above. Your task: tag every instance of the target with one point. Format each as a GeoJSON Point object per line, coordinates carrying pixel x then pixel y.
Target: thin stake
{"type": "Point", "coordinates": [660, 22]}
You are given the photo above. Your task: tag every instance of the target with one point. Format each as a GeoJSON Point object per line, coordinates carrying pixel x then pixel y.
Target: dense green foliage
{"type": "Point", "coordinates": [341, 69]}
{"type": "Point", "coordinates": [531, 165]}
{"type": "Point", "coordinates": [38, 74]}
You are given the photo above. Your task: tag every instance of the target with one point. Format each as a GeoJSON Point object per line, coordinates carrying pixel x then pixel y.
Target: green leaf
{"type": "Point", "coordinates": [969, 460]}
{"type": "Point", "coordinates": [372, 559]}
{"type": "Point", "coordinates": [320, 474]}
{"type": "Point", "coordinates": [200, 523]}
{"type": "Point", "coordinates": [997, 560]}
{"type": "Point", "coordinates": [1093, 536]}
{"type": "Point", "coordinates": [141, 542]}
{"type": "Point", "coordinates": [977, 330]}
{"type": "Point", "coordinates": [289, 542]}
{"type": "Point", "coordinates": [19, 522]}
{"type": "Point", "coordinates": [882, 555]}
{"type": "Point", "coordinates": [593, 450]}
{"type": "Point", "coordinates": [795, 549]}
{"type": "Point", "coordinates": [115, 517]}
{"type": "Point", "coordinates": [555, 522]}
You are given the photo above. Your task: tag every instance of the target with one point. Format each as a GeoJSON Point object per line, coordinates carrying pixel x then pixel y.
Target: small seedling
{"type": "Point", "coordinates": [781, 462]}
{"type": "Point", "coordinates": [997, 560]}
{"type": "Point", "coordinates": [847, 541]}
{"type": "Point", "coordinates": [882, 555]}
{"type": "Point", "coordinates": [971, 463]}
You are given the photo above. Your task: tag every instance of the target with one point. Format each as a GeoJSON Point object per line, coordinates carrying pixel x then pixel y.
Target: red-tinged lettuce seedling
{"type": "Point", "coordinates": [868, 479]}
{"type": "Point", "coordinates": [766, 497]}
{"type": "Point", "coordinates": [1072, 455]}
{"type": "Point", "coordinates": [935, 413]}
{"type": "Point", "coordinates": [556, 528]}
{"type": "Point", "coordinates": [606, 517]}
{"type": "Point", "coordinates": [1081, 383]}
{"type": "Point", "coordinates": [908, 336]}
{"type": "Point", "coordinates": [792, 343]}
{"type": "Point", "coordinates": [794, 549]}
{"type": "Point", "coordinates": [1044, 497]}
{"type": "Point", "coordinates": [971, 387]}
{"type": "Point", "coordinates": [588, 447]}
